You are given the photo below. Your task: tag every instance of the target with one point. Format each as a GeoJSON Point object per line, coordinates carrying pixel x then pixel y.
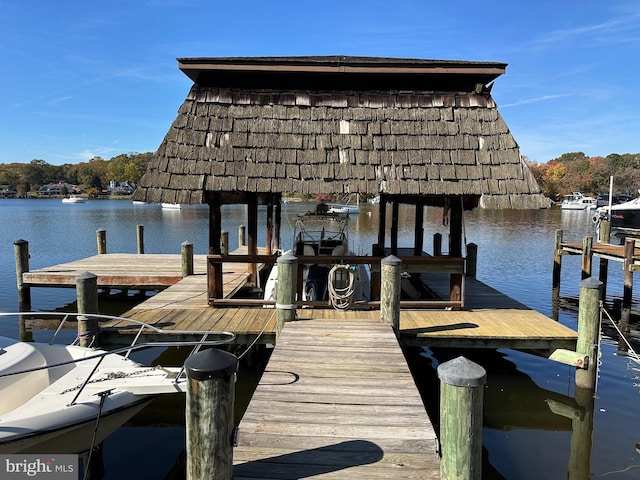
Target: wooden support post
{"type": "Point", "coordinates": [87, 298]}
{"type": "Point", "coordinates": [455, 226]}
{"type": "Point", "coordinates": [382, 219]}
{"type": "Point", "coordinates": [140, 238]}
{"type": "Point", "coordinates": [461, 397]}
{"type": "Point", "coordinates": [627, 276]}
{"type": "Point", "coordinates": [214, 270]}
{"type": "Point", "coordinates": [395, 220]}
{"type": "Point", "coordinates": [224, 242]}
{"type": "Point", "coordinates": [588, 331]}
{"type": "Point", "coordinates": [587, 256]}
{"type": "Point", "coordinates": [211, 378]}
{"type": "Point", "coordinates": [269, 233]}
{"type": "Point", "coordinates": [556, 276]}
{"type": "Point", "coordinates": [277, 223]}
{"type": "Point", "coordinates": [242, 236]}
{"type": "Point", "coordinates": [101, 239]}
{"type": "Point", "coordinates": [252, 244]}
{"type": "Point", "coordinates": [419, 230]}
{"type": "Point", "coordinates": [437, 244]}
{"type": "Point", "coordinates": [21, 252]}
{"type": "Point", "coordinates": [187, 258]}
{"type": "Point", "coordinates": [390, 267]}
{"type": "Point", "coordinates": [472, 260]}
{"type": "Point", "coordinates": [287, 266]}
{"type": "Point", "coordinates": [604, 236]}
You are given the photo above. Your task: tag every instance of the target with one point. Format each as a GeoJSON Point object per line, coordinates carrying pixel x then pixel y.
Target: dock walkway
{"type": "Point", "coordinates": [337, 400]}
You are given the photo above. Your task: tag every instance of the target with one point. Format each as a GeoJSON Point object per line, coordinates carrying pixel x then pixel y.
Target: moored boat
{"type": "Point", "coordinates": [65, 398]}
{"type": "Point", "coordinates": [578, 201]}
{"type": "Point", "coordinates": [622, 215]}
{"type": "Point", "coordinates": [171, 206]}
{"type": "Point", "coordinates": [74, 199]}
{"type": "Point", "coordinates": [323, 233]}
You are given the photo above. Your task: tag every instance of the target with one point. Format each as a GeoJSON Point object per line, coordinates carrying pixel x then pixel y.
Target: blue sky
{"type": "Point", "coordinates": [80, 79]}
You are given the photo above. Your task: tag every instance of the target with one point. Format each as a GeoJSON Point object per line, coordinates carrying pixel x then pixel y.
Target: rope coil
{"type": "Point", "coordinates": [341, 298]}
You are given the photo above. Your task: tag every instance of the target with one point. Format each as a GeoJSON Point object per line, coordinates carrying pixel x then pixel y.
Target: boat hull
{"type": "Point", "coordinates": [75, 437]}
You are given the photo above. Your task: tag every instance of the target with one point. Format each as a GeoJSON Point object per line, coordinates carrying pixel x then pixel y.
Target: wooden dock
{"type": "Point", "coordinates": [490, 319]}
{"type": "Point", "coordinates": [337, 400]}
{"type": "Point", "coordinates": [602, 250]}
{"type": "Point", "coordinates": [117, 270]}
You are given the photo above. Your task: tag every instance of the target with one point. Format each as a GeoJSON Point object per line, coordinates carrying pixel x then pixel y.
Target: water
{"type": "Point", "coordinates": [522, 438]}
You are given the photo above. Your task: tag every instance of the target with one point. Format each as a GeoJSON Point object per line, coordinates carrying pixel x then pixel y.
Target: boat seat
{"type": "Point", "coordinates": [338, 251]}
{"type": "Point", "coordinates": [17, 389]}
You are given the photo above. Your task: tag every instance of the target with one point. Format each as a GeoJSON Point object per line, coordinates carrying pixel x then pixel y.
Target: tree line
{"type": "Point", "coordinates": [576, 172]}
{"type": "Point", "coordinates": [571, 172]}
{"type": "Point", "coordinates": [92, 175]}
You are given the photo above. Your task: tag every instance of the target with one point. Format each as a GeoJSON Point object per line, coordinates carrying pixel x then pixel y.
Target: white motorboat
{"type": "Point", "coordinates": [345, 207]}
{"type": "Point", "coordinates": [324, 234]}
{"type": "Point", "coordinates": [578, 201]}
{"type": "Point", "coordinates": [171, 206]}
{"type": "Point", "coordinates": [66, 398]}
{"type": "Point", "coordinates": [74, 199]}
{"type": "Point", "coordinates": [622, 215]}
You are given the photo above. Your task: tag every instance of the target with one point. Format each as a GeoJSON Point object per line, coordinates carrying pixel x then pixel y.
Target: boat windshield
{"type": "Point", "coordinates": [320, 233]}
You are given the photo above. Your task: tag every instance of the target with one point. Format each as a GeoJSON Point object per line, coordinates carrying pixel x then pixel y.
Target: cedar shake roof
{"type": "Point", "coordinates": [416, 128]}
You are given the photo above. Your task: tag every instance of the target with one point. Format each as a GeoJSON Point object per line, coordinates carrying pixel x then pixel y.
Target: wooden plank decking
{"type": "Point", "coordinates": [490, 319]}
{"type": "Point", "coordinates": [337, 400]}
{"type": "Point", "coordinates": [117, 270]}
{"type": "Point", "coordinates": [601, 250]}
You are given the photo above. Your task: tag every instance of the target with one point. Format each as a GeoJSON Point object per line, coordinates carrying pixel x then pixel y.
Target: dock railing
{"type": "Point", "coordinates": [454, 267]}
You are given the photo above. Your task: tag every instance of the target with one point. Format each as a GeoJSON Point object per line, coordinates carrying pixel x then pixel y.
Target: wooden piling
{"type": "Point", "coordinates": [391, 267]}
{"type": "Point", "coordinates": [557, 268]}
{"type": "Point", "coordinates": [604, 236]}
{"type": "Point", "coordinates": [211, 376]}
{"type": "Point", "coordinates": [224, 242]}
{"type": "Point", "coordinates": [21, 252]}
{"type": "Point", "coordinates": [87, 298]}
{"type": "Point", "coordinates": [472, 260]}
{"type": "Point", "coordinates": [629, 246]}
{"type": "Point", "coordinates": [242, 236]}
{"type": "Point", "coordinates": [587, 256]}
{"type": "Point", "coordinates": [140, 238]}
{"type": "Point", "coordinates": [437, 244]}
{"type": "Point", "coordinates": [187, 258]}
{"type": "Point", "coordinates": [461, 397]}
{"type": "Point", "coordinates": [287, 266]}
{"type": "Point", "coordinates": [588, 331]}
{"type": "Point", "coordinates": [101, 239]}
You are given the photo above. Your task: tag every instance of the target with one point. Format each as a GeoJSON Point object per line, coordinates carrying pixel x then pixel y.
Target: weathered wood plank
{"type": "Point", "coordinates": [321, 395]}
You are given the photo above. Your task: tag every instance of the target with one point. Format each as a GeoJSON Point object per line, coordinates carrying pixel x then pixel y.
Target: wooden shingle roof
{"type": "Point", "coordinates": [340, 125]}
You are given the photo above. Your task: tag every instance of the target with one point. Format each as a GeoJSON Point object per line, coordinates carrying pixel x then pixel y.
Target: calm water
{"type": "Point", "coordinates": [523, 439]}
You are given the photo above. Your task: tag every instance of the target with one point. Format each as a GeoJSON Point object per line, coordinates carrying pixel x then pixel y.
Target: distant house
{"type": "Point", "coordinates": [120, 188]}
{"type": "Point", "coordinates": [59, 188]}
{"type": "Point", "coordinates": [6, 192]}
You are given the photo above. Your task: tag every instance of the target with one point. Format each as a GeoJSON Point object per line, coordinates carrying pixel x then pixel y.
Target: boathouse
{"type": "Point", "coordinates": [414, 131]}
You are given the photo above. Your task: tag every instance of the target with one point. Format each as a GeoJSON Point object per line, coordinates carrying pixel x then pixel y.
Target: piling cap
{"type": "Point", "coordinates": [287, 258]}
{"type": "Point", "coordinates": [591, 283]}
{"type": "Point", "coordinates": [211, 363]}
{"type": "Point", "coordinates": [461, 372]}
{"type": "Point", "coordinates": [391, 260]}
